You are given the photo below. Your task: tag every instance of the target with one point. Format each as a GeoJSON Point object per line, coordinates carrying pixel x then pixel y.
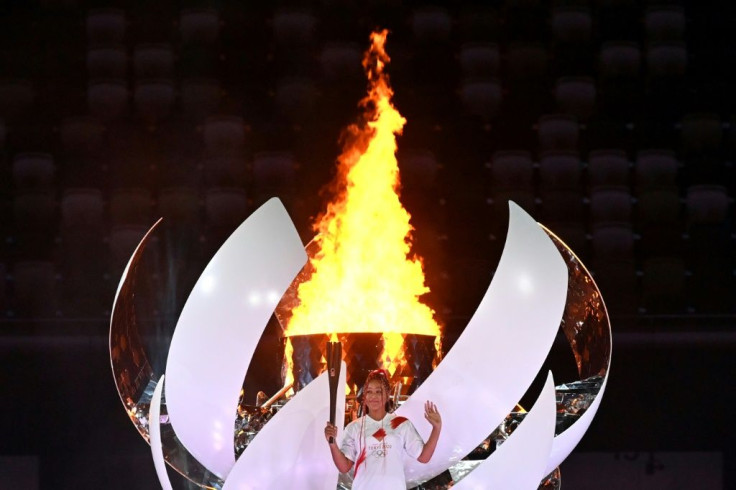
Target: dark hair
{"type": "Point", "coordinates": [381, 376]}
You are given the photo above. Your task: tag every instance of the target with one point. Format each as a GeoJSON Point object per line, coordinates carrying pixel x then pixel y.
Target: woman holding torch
{"type": "Point", "coordinates": [374, 444]}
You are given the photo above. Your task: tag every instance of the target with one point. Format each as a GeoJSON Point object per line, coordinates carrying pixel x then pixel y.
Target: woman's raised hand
{"type": "Point", "coordinates": [432, 414]}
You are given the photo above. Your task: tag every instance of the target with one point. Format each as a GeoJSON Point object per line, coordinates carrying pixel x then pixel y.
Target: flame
{"type": "Point", "coordinates": [364, 278]}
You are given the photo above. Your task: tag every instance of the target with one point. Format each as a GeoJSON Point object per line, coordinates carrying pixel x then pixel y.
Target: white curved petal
{"type": "Point", "coordinates": [501, 350]}
{"type": "Point", "coordinates": [290, 451]}
{"type": "Point", "coordinates": [219, 327]}
{"type": "Point", "coordinates": [566, 442]}
{"type": "Point", "coordinates": [520, 462]}
{"type": "Point", "coordinates": [154, 431]}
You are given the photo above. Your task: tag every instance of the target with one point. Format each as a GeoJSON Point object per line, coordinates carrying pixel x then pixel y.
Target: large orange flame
{"type": "Point", "coordinates": [364, 278]}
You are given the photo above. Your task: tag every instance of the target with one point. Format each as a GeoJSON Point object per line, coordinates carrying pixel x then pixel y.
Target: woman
{"type": "Point", "coordinates": [375, 443]}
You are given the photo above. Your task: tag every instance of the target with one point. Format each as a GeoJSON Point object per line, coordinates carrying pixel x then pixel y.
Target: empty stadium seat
{"type": "Point", "coordinates": [559, 170]}
{"type": "Point", "coordinates": [576, 96]}
{"type": "Point", "coordinates": [199, 25]}
{"type": "Point", "coordinates": [666, 59]}
{"type": "Point", "coordinates": [608, 167]}
{"type": "Point", "coordinates": [152, 61]}
{"type": "Point", "coordinates": [154, 100]}
{"type": "Point", "coordinates": [479, 60]}
{"type": "Point", "coordinates": [558, 132]}
{"type": "Point", "coordinates": [225, 207]}
{"type": "Point", "coordinates": [296, 98]}
{"type": "Point", "coordinates": [106, 26]}
{"type": "Point", "coordinates": [619, 59]}
{"type": "Point", "coordinates": [294, 27]}
{"type": "Point", "coordinates": [701, 133]}
{"type": "Point", "coordinates": [707, 204]}
{"type": "Point", "coordinates": [340, 61]}
{"type": "Point", "coordinates": [610, 203]}
{"type": "Point", "coordinates": [33, 171]}
{"type": "Point", "coordinates": [481, 97]}
{"type": "Point", "coordinates": [664, 22]}
{"type": "Point", "coordinates": [430, 25]}
{"type": "Point", "coordinates": [613, 241]}
{"type": "Point", "coordinates": [82, 207]}
{"type": "Point", "coordinates": [571, 23]}
{"type": "Point", "coordinates": [107, 100]}
{"type": "Point", "coordinates": [419, 168]}
{"type": "Point", "coordinates": [224, 135]}
{"type": "Point", "coordinates": [107, 62]}
{"type": "Point", "coordinates": [655, 168]}
{"type": "Point", "coordinates": [512, 170]}
{"type": "Point", "coordinates": [274, 173]}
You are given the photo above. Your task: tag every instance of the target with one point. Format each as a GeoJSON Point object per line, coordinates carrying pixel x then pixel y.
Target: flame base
{"type": "Point", "coordinates": [409, 358]}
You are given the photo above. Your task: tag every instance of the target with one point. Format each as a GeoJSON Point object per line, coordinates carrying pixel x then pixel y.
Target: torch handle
{"type": "Point", "coordinates": [334, 363]}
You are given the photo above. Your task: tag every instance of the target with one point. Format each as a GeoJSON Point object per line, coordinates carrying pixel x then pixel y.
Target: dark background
{"type": "Point", "coordinates": [610, 121]}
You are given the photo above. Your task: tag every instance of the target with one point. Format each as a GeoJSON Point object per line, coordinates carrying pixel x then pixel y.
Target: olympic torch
{"type": "Point", "coordinates": [334, 362]}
